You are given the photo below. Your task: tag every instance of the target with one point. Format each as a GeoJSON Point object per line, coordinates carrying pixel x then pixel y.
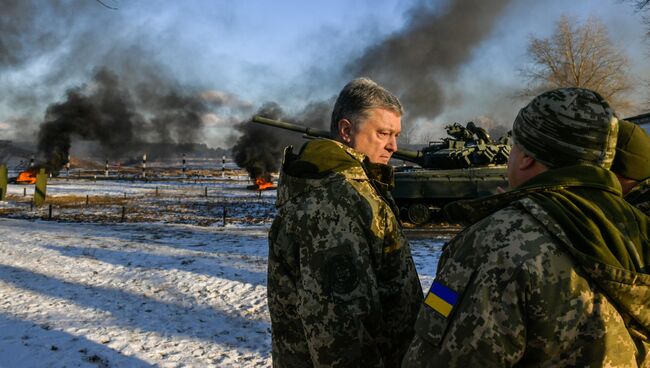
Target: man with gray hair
{"type": "Point", "coordinates": [342, 286]}
{"type": "Point", "coordinates": [554, 272]}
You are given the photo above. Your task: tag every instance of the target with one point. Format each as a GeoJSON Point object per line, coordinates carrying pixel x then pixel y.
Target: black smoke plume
{"type": "Point", "coordinates": [119, 119]}
{"type": "Point", "coordinates": [415, 62]}
{"type": "Point", "coordinates": [412, 63]}
{"type": "Point", "coordinates": [259, 148]}
{"type": "Point", "coordinates": [23, 31]}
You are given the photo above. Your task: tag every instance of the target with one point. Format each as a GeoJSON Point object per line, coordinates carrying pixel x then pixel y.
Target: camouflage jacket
{"type": "Point", "coordinates": [513, 289]}
{"type": "Point", "coordinates": [639, 196]}
{"type": "Point", "coordinates": [342, 286]}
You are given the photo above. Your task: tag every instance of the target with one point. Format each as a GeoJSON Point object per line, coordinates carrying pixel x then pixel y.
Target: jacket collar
{"type": "Point", "coordinates": [471, 211]}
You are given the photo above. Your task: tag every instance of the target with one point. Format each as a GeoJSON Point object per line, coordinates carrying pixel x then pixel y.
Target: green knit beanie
{"type": "Point", "coordinates": [567, 126]}
{"type": "Point", "coordinates": [632, 159]}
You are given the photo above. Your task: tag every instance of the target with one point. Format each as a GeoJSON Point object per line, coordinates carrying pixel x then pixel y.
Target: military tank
{"type": "Point", "coordinates": [467, 164]}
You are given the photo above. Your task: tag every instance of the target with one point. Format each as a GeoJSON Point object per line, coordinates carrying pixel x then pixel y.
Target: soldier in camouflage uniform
{"type": "Point", "coordinates": [342, 286]}
{"type": "Point", "coordinates": [632, 164]}
{"type": "Point", "coordinates": [553, 272]}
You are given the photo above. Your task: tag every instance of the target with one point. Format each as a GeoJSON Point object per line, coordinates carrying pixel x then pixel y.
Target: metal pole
{"type": "Point", "coordinates": [144, 166]}
{"type": "Point", "coordinates": [49, 212]}
{"type": "Point", "coordinates": [206, 191]}
{"type": "Point", "coordinates": [24, 192]}
{"type": "Point", "coordinates": [123, 213]}
{"type": "Point", "coordinates": [87, 199]}
{"type": "Point", "coordinates": [183, 165]}
{"type": "Point", "coordinates": [224, 215]}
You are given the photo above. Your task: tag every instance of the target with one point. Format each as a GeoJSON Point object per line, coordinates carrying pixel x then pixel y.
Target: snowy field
{"type": "Point", "coordinates": [171, 286]}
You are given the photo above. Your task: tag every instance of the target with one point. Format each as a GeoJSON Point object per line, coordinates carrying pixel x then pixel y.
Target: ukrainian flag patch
{"type": "Point", "coordinates": [441, 299]}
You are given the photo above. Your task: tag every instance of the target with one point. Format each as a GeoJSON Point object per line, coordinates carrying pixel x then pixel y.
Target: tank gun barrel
{"type": "Point", "coordinates": [412, 156]}
{"type": "Point", "coordinates": [293, 127]}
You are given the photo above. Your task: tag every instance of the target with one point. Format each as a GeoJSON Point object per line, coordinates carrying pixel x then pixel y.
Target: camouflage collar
{"type": "Point", "coordinates": [321, 157]}
{"type": "Point", "coordinates": [380, 173]}
{"type": "Point", "coordinates": [322, 160]}
{"type": "Point", "coordinates": [351, 151]}
{"type": "Point", "coordinates": [470, 211]}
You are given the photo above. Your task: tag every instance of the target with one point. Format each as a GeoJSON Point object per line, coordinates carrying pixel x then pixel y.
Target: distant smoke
{"type": "Point", "coordinates": [495, 129]}
{"type": "Point", "coordinates": [411, 63]}
{"type": "Point", "coordinates": [23, 31]}
{"type": "Point", "coordinates": [430, 49]}
{"type": "Point", "coordinates": [121, 119]}
{"type": "Point", "coordinates": [106, 115]}
{"type": "Point", "coordinates": [132, 96]}
{"type": "Point", "coordinates": [259, 148]}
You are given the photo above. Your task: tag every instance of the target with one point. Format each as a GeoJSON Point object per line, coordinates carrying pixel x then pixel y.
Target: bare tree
{"type": "Point", "coordinates": [641, 5]}
{"type": "Point", "coordinates": [578, 56]}
{"type": "Point", "coordinates": [106, 5]}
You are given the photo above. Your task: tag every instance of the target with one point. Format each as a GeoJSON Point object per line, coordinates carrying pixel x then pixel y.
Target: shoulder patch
{"type": "Point", "coordinates": [341, 274]}
{"type": "Point", "coordinates": [441, 299]}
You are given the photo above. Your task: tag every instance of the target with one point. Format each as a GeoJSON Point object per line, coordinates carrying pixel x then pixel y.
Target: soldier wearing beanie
{"type": "Point", "coordinates": [553, 272]}
{"type": "Point", "coordinates": [632, 164]}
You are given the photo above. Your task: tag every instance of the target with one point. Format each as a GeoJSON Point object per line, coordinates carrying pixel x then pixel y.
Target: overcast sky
{"type": "Point", "coordinates": [249, 52]}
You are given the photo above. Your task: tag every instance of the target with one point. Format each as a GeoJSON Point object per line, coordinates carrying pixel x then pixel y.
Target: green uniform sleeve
{"type": "Point", "coordinates": [474, 314]}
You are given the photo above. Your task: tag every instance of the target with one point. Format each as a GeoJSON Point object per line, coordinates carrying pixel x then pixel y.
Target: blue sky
{"type": "Point", "coordinates": [291, 52]}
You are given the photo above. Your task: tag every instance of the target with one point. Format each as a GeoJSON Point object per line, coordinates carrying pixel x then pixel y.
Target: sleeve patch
{"type": "Point", "coordinates": [441, 299]}
{"type": "Point", "coordinates": [341, 274]}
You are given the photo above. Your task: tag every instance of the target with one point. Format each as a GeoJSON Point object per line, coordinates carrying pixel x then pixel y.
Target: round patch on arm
{"type": "Point", "coordinates": [340, 274]}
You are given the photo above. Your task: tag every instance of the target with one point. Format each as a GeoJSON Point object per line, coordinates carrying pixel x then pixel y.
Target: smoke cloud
{"type": "Point", "coordinates": [416, 61]}
{"type": "Point", "coordinates": [413, 63]}
{"type": "Point", "coordinates": [24, 33]}
{"type": "Point", "coordinates": [259, 147]}
{"type": "Point", "coordinates": [122, 119]}
{"type": "Point", "coordinates": [132, 97]}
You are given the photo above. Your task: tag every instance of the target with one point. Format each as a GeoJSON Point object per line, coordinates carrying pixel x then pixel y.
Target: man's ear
{"type": "Point", "coordinates": [345, 130]}
{"type": "Point", "coordinates": [526, 162]}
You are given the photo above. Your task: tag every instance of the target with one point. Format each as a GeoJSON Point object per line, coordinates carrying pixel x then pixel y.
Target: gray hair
{"type": "Point", "coordinates": [359, 96]}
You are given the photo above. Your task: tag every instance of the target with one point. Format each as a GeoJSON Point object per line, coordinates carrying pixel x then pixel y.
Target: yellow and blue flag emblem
{"type": "Point", "coordinates": [441, 298]}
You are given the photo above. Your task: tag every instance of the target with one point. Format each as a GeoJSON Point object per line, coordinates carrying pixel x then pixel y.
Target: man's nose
{"type": "Point", "coordinates": [391, 146]}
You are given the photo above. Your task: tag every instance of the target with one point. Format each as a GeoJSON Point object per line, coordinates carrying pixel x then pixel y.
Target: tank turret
{"type": "Point", "coordinates": [466, 164]}
{"type": "Point", "coordinates": [468, 146]}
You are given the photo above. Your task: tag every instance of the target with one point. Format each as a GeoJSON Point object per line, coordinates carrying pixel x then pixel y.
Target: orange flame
{"type": "Point", "coordinates": [262, 184]}
{"type": "Point", "coordinates": [27, 177]}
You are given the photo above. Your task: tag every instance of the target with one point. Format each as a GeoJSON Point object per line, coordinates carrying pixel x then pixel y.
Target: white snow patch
{"type": "Point", "coordinates": [144, 294]}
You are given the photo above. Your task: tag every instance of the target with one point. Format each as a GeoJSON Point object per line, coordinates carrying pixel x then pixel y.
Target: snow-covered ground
{"type": "Point", "coordinates": [166, 293]}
